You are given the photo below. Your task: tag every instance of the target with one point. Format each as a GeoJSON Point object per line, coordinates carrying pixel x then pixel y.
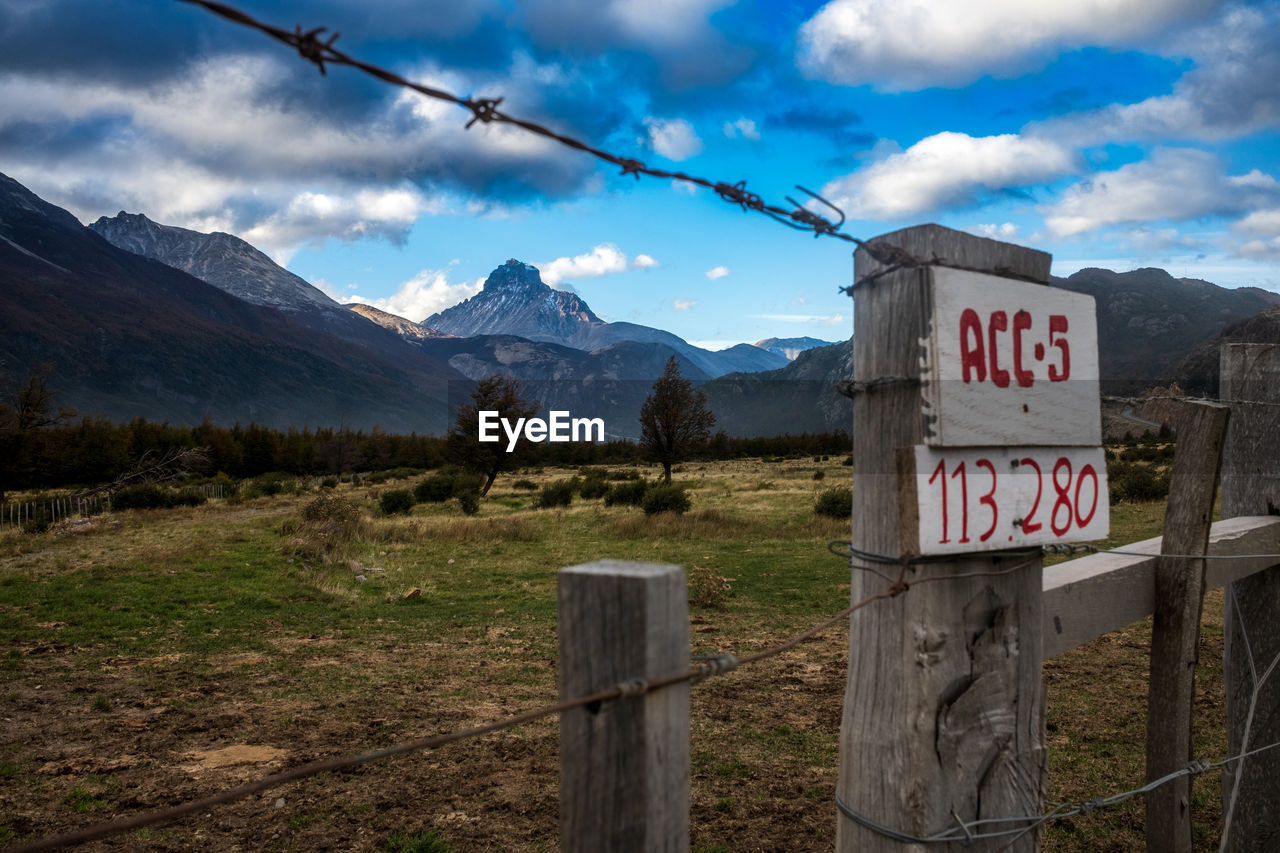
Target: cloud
{"type": "Point", "coordinates": [314, 217]}
{"type": "Point", "coordinates": [743, 127]}
{"type": "Point", "coordinates": [717, 272]}
{"type": "Point", "coordinates": [604, 259]}
{"type": "Point", "coordinates": [1230, 92]}
{"type": "Point", "coordinates": [683, 304]}
{"type": "Point", "coordinates": [947, 170]}
{"type": "Point", "coordinates": [673, 138]}
{"type": "Point", "coordinates": [913, 44]}
{"type": "Point", "coordinates": [1005, 231]}
{"type": "Point", "coordinates": [817, 319]}
{"type": "Point", "coordinates": [1174, 184]}
{"type": "Point", "coordinates": [1263, 226]}
{"type": "Point", "coordinates": [232, 140]}
{"type": "Point", "coordinates": [427, 293]}
{"type": "Point", "coordinates": [673, 41]}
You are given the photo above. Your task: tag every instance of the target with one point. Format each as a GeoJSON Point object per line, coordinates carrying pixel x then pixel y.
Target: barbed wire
{"type": "Point", "coordinates": [313, 46]}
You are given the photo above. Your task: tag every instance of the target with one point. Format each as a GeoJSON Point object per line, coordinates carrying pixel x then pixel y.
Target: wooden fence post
{"type": "Point", "coordinates": [1175, 634]}
{"type": "Point", "coordinates": [944, 707]}
{"type": "Point", "coordinates": [624, 765]}
{"type": "Point", "coordinates": [1250, 384]}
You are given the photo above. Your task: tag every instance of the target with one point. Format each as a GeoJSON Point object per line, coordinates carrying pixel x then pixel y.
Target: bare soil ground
{"type": "Point", "coordinates": [91, 732]}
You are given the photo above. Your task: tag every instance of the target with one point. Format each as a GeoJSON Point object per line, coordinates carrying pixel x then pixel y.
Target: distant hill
{"type": "Point", "coordinates": [1148, 320]}
{"type": "Point", "coordinates": [515, 301]}
{"type": "Point", "coordinates": [133, 337]}
{"type": "Point", "coordinates": [1198, 373]}
{"type": "Point", "coordinates": [800, 397]}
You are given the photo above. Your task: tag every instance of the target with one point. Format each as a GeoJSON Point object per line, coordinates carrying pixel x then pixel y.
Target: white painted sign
{"type": "Point", "coordinates": [1009, 364]}
{"type": "Point", "coordinates": [956, 500]}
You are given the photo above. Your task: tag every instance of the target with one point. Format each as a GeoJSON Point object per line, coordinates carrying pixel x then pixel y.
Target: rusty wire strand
{"type": "Point", "coordinates": [322, 53]}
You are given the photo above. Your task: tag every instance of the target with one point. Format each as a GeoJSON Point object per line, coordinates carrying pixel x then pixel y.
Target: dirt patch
{"type": "Point", "coordinates": [230, 756]}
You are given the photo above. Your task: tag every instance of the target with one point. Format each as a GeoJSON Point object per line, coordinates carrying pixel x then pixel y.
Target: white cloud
{"type": "Point", "coordinates": [673, 138]}
{"type": "Point", "coordinates": [913, 44]}
{"type": "Point", "coordinates": [744, 127]}
{"type": "Point", "coordinates": [218, 146]}
{"type": "Point", "coordinates": [1174, 184]}
{"type": "Point", "coordinates": [683, 304]}
{"type": "Point", "coordinates": [425, 294]}
{"type": "Point", "coordinates": [817, 319]}
{"type": "Point", "coordinates": [314, 216]}
{"type": "Point", "coordinates": [947, 169]}
{"type": "Point", "coordinates": [604, 259]}
{"type": "Point", "coordinates": [717, 272]}
{"type": "Point", "coordinates": [1004, 231]}
{"type": "Point", "coordinates": [1230, 91]}
{"type": "Point", "coordinates": [1264, 227]}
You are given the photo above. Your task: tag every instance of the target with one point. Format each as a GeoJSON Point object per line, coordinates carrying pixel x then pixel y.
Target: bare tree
{"type": "Point", "coordinates": [673, 419]}
{"type": "Point", "coordinates": [27, 409]}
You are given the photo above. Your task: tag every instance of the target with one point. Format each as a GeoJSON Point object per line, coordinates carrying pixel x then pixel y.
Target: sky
{"type": "Point", "coordinates": [1110, 133]}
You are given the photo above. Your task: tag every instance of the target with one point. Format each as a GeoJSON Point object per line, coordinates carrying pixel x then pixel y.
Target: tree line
{"type": "Point", "coordinates": [76, 452]}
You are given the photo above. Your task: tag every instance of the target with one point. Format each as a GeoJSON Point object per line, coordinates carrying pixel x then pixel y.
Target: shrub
{"type": "Point", "coordinates": [329, 483]}
{"type": "Point", "coordinates": [707, 588]}
{"type": "Point", "coordinates": [152, 496]}
{"type": "Point", "coordinates": [818, 475]}
{"type": "Point", "coordinates": [435, 489]}
{"type": "Point", "coordinates": [525, 485]}
{"type": "Point", "coordinates": [559, 493]}
{"type": "Point", "coordinates": [665, 497]}
{"type": "Point", "coordinates": [396, 501]}
{"type": "Point", "coordinates": [142, 496]}
{"type": "Point", "coordinates": [847, 461]}
{"type": "Point", "coordinates": [464, 482]}
{"type": "Point", "coordinates": [593, 488]}
{"type": "Point", "coordinates": [630, 493]}
{"type": "Point", "coordinates": [625, 474]}
{"type": "Point", "coordinates": [835, 503]}
{"type": "Point", "coordinates": [1129, 483]}
{"type": "Point", "coordinates": [333, 514]}
{"type": "Point", "coordinates": [470, 502]}
{"type": "Point", "coordinates": [187, 497]}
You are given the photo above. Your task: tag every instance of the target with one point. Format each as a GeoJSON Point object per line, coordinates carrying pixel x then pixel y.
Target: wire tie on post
{"type": "Point", "coordinates": [634, 687]}
{"type": "Point", "coordinates": [964, 827]}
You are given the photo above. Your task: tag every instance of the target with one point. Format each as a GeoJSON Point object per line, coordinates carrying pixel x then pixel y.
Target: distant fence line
{"type": "Point", "coordinates": [18, 514]}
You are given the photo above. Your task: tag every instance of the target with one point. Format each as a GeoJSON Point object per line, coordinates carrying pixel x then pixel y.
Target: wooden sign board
{"type": "Point", "coordinates": [1009, 363]}
{"type": "Point", "coordinates": [957, 500]}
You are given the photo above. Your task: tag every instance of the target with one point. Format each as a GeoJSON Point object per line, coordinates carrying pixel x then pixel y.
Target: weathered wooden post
{"type": "Point", "coordinates": [1250, 385]}
{"type": "Point", "coordinates": [624, 765]}
{"type": "Point", "coordinates": [967, 438]}
{"type": "Point", "coordinates": [1175, 634]}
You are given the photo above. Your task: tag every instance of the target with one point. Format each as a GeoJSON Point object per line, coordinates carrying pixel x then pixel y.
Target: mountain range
{"type": "Point", "coordinates": [148, 320]}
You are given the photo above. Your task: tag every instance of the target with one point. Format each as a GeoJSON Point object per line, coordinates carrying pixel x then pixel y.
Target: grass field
{"type": "Point", "coordinates": [152, 657]}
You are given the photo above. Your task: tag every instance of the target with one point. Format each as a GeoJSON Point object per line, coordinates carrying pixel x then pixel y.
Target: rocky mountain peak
{"type": "Point", "coordinates": [221, 259]}
{"type": "Point", "coordinates": [515, 275]}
